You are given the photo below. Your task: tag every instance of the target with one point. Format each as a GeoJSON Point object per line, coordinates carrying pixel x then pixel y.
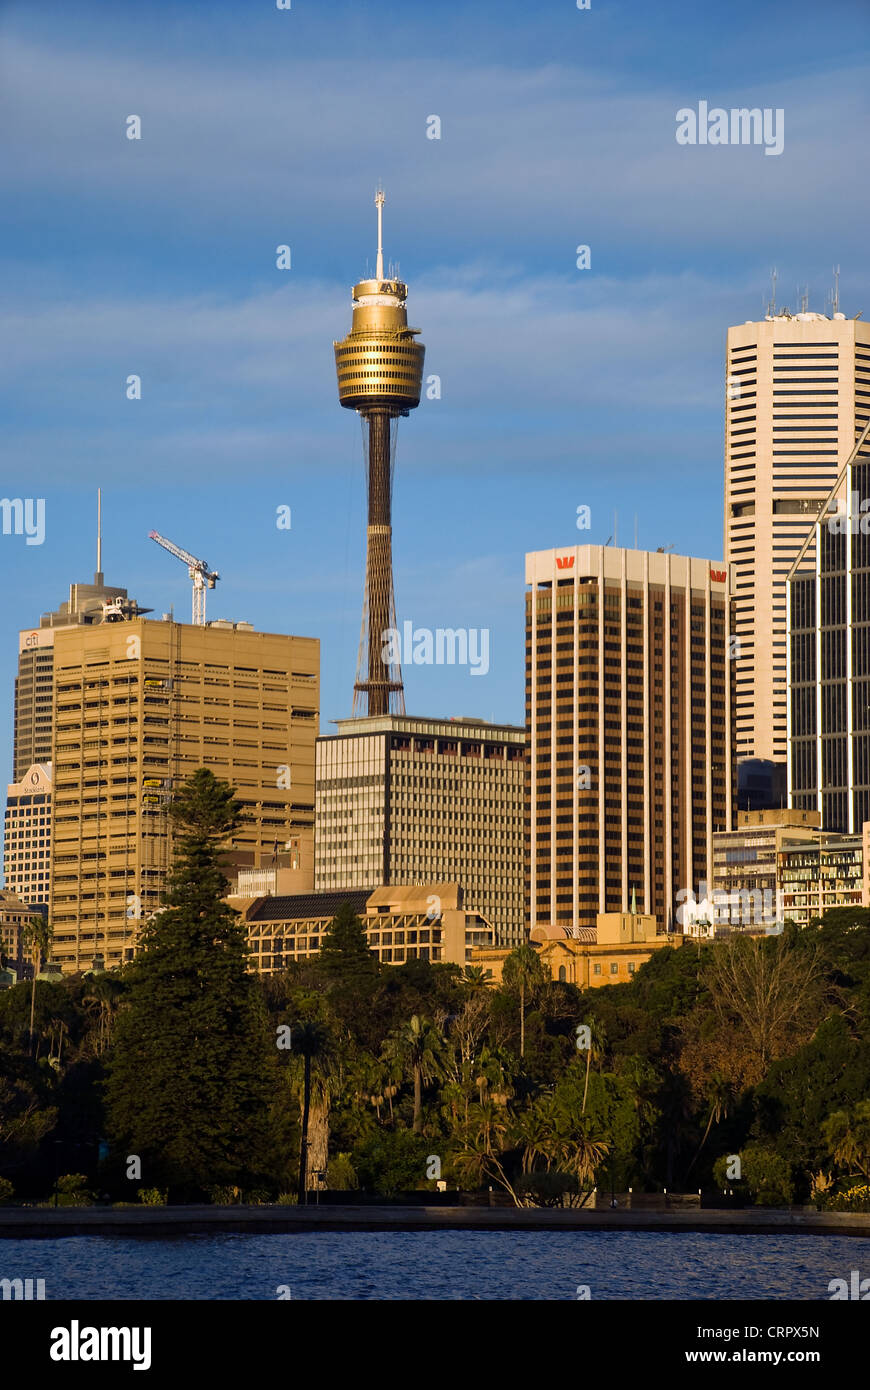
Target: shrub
{"type": "Point", "coordinates": [341, 1174]}
{"type": "Point", "coordinates": [7, 1191]}
{"type": "Point", "coordinates": [152, 1196]}
{"type": "Point", "coordinates": [72, 1191]}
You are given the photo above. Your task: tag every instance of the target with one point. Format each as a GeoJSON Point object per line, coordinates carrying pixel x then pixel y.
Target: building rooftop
{"type": "Point", "coordinates": [297, 906]}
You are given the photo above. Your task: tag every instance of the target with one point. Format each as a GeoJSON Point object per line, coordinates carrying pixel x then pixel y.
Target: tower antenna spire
{"type": "Point", "coordinates": [379, 203]}
{"type": "Point", "coordinates": [99, 574]}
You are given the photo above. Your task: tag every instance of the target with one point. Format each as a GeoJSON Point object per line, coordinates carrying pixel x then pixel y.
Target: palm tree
{"type": "Point", "coordinates": [310, 1040]}
{"type": "Point", "coordinates": [597, 1044]}
{"type": "Point", "coordinates": [522, 971]}
{"type": "Point", "coordinates": [476, 977]}
{"type": "Point", "coordinates": [104, 991]}
{"type": "Point", "coordinates": [418, 1046]}
{"type": "Point", "coordinates": [721, 1098]}
{"type": "Point", "coordinates": [37, 934]}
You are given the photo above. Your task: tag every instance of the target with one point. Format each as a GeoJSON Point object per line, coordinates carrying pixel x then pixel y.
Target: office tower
{"type": "Point", "coordinates": [829, 655]}
{"type": "Point", "coordinates": [402, 800]}
{"type": "Point", "coordinates": [88, 604]}
{"type": "Point", "coordinates": [139, 707]}
{"type": "Point", "coordinates": [796, 385]}
{"type": "Point", "coordinates": [628, 712]}
{"type": "Point", "coordinates": [380, 373]}
{"type": "Point", "coordinates": [27, 835]}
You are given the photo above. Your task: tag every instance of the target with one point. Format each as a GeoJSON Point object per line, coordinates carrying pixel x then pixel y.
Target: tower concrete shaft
{"type": "Point", "coordinates": [380, 373]}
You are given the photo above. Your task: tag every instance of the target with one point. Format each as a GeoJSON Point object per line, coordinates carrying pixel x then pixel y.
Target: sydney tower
{"type": "Point", "coordinates": [380, 375]}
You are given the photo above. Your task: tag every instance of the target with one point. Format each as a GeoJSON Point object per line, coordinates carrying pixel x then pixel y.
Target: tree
{"type": "Point", "coordinates": [418, 1047]}
{"type": "Point", "coordinates": [721, 1098]}
{"type": "Point", "coordinates": [524, 974]}
{"type": "Point", "coordinates": [311, 1041]}
{"type": "Point", "coordinates": [37, 935]}
{"type": "Point", "coordinates": [344, 948]}
{"type": "Point", "coordinates": [847, 1134]}
{"type": "Point", "coordinates": [189, 1079]}
{"type": "Point", "coordinates": [772, 987]}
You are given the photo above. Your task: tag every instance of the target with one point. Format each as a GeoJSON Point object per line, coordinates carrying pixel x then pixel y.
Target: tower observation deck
{"type": "Point", "coordinates": [380, 373]}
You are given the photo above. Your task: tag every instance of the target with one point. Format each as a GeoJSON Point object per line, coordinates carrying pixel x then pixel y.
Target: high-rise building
{"type": "Point", "coordinates": [829, 655]}
{"type": "Point", "coordinates": [139, 706]}
{"type": "Point", "coordinates": [88, 604]}
{"type": "Point", "coordinates": [402, 800]}
{"type": "Point", "coordinates": [796, 387]}
{"type": "Point", "coordinates": [628, 712]}
{"type": "Point", "coordinates": [380, 373]}
{"type": "Point", "coordinates": [27, 835]}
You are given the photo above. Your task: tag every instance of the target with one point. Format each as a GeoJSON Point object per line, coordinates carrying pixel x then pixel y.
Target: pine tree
{"type": "Point", "coordinates": [344, 948]}
{"type": "Point", "coordinates": [190, 1078]}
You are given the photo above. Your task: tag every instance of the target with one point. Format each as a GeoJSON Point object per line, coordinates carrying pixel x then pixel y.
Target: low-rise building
{"type": "Point", "coordinates": [746, 893]}
{"type": "Point", "coordinates": [402, 923]}
{"type": "Point", "coordinates": [816, 875]}
{"type": "Point", "coordinates": [609, 953]}
{"type": "Point", "coordinates": [14, 917]}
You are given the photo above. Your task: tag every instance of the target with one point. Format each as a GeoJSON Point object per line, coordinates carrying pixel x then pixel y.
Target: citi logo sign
{"type": "Point", "coordinates": [718, 576]}
{"type": "Point", "coordinates": [564, 562]}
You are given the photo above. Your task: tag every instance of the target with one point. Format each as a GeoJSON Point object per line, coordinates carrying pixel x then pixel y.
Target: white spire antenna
{"type": "Point", "coordinates": [835, 302]}
{"type": "Point", "coordinates": [99, 531]}
{"type": "Point", "coordinates": [379, 203]}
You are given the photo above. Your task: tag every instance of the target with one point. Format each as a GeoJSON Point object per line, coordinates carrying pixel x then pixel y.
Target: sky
{"type": "Point", "coordinates": [560, 387]}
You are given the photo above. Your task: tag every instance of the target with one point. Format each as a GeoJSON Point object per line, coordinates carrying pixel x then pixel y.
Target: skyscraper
{"type": "Point", "coordinates": [139, 707]}
{"type": "Point", "coordinates": [403, 800]}
{"type": "Point", "coordinates": [797, 385]}
{"type": "Point", "coordinates": [829, 656]}
{"type": "Point", "coordinates": [628, 717]}
{"type": "Point", "coordinates": [380, 374]}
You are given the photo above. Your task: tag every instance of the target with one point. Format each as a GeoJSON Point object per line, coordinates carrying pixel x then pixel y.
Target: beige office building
{"type": "Point", "coordinates": [27, 835]}
{"type": "Point", "coordinates": [87, 605]}
{"type": "Point", "coordinates": [138, 707]}
{"type": "Point", "coordinates": [403, 800]}
{"type": "Point", "coordinates": [628, 711]}
{"type": "Point", "coordinates": [798, 387]}
{"type": "Point", "coordinates": [425, 922]}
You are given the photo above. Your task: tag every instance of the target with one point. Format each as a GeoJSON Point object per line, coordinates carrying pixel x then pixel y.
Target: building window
{"type": "Point", "coordinates": [563, 974]}
{"type": "Point", "coordinates": [614, 967]}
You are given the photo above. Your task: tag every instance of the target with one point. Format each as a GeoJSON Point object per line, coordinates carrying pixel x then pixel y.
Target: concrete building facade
{"type": "Point", "coordinates": [628, 710]}
{"type": "Point", "coordinates": [404, 800]}
{"type": "Point", "coordinates": [27, 835]}
{"type": "Point", "coordinates": [402, 923]}
{"type": "Point", "coordinates": [139, 706]}
{"type": "Point", "coordinates": [797, 386]}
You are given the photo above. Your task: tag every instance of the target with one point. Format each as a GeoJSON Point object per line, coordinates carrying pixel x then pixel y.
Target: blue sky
{"type": "Point", "coordinates": [263, 127]}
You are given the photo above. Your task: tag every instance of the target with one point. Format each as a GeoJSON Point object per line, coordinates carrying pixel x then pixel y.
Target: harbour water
{"type": "Point", "coordinates": [466, 1265]}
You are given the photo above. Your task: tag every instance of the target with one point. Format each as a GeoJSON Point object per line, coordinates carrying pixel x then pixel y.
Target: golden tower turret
{"type": "Point", "coordinates": [380, 375]}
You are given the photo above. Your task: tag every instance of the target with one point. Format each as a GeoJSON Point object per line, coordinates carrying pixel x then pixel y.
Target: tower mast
{"type": "Point", "coordinates": [380, 375]}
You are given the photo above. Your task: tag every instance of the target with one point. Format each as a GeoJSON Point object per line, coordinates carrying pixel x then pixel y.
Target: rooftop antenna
{"type": "Point", "coordinates": [379, 204]}
{"type": "Point", "coordinates": [771, 308]}
{"type": "Point", "coordinates": [835, 299]}
{"type": "Point", "coordinates": [805, 299]}
{"type": "Point", "coordinates": [98, 577]}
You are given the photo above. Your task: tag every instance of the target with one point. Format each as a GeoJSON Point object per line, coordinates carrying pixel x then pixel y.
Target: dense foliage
{"type": "Point", "coordinates": [742, 1066]}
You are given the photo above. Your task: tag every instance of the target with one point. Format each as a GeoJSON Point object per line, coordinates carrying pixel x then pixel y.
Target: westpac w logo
{"type": "Point", "coordinates": [564, 562]}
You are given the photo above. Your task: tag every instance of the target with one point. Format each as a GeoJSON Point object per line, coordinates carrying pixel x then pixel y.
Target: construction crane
{"type": "Point", "coordinates": [203, 578]}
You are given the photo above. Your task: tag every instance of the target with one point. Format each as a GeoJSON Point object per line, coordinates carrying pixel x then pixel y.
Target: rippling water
{"type": "Point", "coordinates": [439, 1265]}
